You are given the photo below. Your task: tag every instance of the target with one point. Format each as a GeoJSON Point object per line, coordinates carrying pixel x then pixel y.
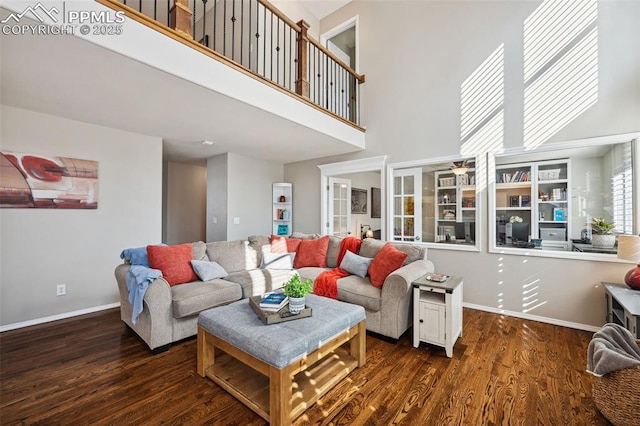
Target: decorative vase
{"type": "Point", "coordinates": [603, 241]}
{"type": "Point", "coordinates": [296, 304]}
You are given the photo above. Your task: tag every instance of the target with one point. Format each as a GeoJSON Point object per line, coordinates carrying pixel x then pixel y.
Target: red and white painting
{"type": "Point", "coordinates": [42, 181]}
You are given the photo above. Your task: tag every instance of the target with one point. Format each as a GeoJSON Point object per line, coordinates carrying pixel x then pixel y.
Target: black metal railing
{"type": "Point", "coordinates": [257, 36]}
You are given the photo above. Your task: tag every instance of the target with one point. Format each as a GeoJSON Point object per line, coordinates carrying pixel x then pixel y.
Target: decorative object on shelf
{"type": "Point", "coordinates": [559, 215]}
{"type": "Point", "coordinates": [375, 203]}
{"type": "Point", "coordinates": [515, 219]}
{"type": "Point", "coordinates": [358, 201]}
{"type": "Point", "coordinates": [514, 201]}
{"type": "Point", "coordinates": [296, 289]}
{"type": "Point", "coordinates": [459, 167]}
{"type": "Point", "coordinates": [602, 233]}
{"type": "Point", "coordinates": [283, 229]}
{"type": "Point", "coordinates": [283, 199]}
{"type": "Point", "coordinates": [629, 249]}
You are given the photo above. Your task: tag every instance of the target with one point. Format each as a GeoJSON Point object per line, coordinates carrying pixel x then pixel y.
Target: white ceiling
{"type": "Point", "coordinates": [69, 77]}
{"type": "Point", "coordinates": [322, 8]}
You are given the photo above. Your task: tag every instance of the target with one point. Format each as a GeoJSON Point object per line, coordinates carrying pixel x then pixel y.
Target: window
{"type": "Point", "coordinates": [542, 202]}
{"type": "Point", "coordinates": [435, 203]}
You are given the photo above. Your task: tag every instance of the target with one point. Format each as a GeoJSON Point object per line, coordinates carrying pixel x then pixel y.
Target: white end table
{"type": "Point", "coordinates": [437, 312]}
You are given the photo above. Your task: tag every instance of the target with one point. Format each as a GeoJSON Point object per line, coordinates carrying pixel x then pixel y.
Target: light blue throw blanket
{"type": "Point", "coordinates": [138, 279]}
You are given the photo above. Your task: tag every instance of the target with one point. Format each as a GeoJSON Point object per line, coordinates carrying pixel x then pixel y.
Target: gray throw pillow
{"type": "Point", "coordinates": [208, 270]}
{"type": "Point", "coordinates": [354, 264]}
{"type": "Point", "coordinates": [277, 260]}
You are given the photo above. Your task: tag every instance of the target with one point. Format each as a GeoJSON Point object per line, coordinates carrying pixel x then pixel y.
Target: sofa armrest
{"type": "Point", "coordinates": [398, 283]}
{"type": "Point", "coordinates": [395, 298]}
{"type": "Point", "coordinates": [155, 322]}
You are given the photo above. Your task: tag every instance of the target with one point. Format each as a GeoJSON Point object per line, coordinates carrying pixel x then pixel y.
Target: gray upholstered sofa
{"type": "Point", "coordinates": [170, 313]}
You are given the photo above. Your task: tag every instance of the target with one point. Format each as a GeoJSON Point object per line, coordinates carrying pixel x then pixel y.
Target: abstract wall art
{"type": "Point", "coordinates": [44, 181]}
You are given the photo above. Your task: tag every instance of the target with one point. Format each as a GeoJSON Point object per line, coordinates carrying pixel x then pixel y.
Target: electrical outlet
{"type": "Point", "coordinates": [236, 221]}
{"type": "Point", "coordinates": [61, 289]}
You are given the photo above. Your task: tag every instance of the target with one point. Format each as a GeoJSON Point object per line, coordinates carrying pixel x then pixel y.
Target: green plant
{"type": "Point", "coordinates": [599, 226]}
{"type": "Point", "coordinates": [295, 287]}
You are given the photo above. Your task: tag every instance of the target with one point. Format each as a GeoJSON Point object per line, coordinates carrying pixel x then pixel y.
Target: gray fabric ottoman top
{"type": "Point", "coordinates": [280, 344]}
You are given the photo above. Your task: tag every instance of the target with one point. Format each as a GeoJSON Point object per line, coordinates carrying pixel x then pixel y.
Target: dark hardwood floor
{"type": "Point", "coordinates": [94, 370]}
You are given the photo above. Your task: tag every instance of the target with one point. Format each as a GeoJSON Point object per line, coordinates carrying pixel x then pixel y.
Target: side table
{"type": "Point", "coordinates": [437, 312]}
{"type": "Point", "coordinates": [623, 307]}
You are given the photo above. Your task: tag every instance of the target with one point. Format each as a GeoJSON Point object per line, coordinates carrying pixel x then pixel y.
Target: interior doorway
{"type": "Point", "coordinates": [335, 178]}
{"type": "Point", "coordinates": [343, 41]}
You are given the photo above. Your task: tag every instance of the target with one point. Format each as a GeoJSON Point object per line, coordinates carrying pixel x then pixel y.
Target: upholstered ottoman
{"type": "Point", "coordinates": [299, 360]}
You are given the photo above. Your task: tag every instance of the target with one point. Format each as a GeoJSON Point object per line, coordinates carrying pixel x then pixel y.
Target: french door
{"type": "Point", "coordinates": [407, 205]}
{"type": "Point", "coordinates": [339, 217]}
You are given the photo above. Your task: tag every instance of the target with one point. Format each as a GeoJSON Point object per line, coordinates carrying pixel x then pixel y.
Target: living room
{"type": "Point", "coordinates": [411, 110]}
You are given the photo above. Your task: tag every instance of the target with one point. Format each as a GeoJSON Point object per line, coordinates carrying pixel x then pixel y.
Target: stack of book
{"type": "Point", "coordinates": [273, 302]}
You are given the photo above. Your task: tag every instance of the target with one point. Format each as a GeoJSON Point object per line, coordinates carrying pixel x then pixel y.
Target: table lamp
{"type": "Point", "coordinates": [629, 249]}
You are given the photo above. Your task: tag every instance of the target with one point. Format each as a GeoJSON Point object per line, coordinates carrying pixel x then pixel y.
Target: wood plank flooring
{"type": "Point", "coordinates": [94, 370]}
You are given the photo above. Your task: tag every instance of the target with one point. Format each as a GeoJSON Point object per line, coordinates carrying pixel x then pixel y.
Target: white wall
{"type": "Point", "coordinates": [250, 195]}
{"type": "Point", "coordinates": [416, 55]}
{"type": "Point", "coordinates": [217, 188]}
{"type": "Point", "coordinates": [40, 248]}
{"type": "Point", "coordinates": [186, 197]}
{"type": "Point", "coordinates": [239, 187]}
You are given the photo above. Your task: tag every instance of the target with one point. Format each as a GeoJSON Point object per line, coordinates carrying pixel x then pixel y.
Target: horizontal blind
{"type": "Point", "coordinates": [621, 188]}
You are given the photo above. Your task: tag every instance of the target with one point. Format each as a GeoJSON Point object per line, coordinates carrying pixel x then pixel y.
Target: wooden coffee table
{"type": "Point", "coordinates": [298, 361]}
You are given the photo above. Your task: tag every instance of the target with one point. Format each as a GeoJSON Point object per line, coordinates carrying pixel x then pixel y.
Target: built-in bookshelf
{"type": "Point", "coordinates": [537, 195]}
{"type": "Point", "coordinates": [455, 204]}
{"type": "Point", "coordinates": [282, 215]}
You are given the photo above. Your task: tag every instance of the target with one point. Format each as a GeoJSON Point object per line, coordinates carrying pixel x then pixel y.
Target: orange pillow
{"type": "Point", "coordinates": [312, 253]}
{"type": "Point", "coordinates": [284, 245]}
{"type": "Point", "coordinates": [174, 262]}
{"type": "Point", "coordinates": [386, 261]}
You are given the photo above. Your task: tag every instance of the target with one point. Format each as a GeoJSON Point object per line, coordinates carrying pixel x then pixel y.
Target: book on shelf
{"type": "Point", "coordinates": [273, 301]}
{"type": "Point", "coordinates": [518, 176]}
{"type": "Point", "coordinates": [438, 278]}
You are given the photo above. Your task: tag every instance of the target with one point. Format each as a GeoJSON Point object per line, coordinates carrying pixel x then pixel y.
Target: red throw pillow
{"type": "Point", "coordinates": [312, 253]}
{"type": "Point", "coordinates": [284, 245]}
{"type": "Point", "coordinates": [386, 261]}
{"type": "Point", "coordinates": [174, 262]}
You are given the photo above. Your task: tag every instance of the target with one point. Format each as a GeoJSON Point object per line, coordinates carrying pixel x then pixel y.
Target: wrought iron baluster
{"type": "Point", "coordinates": [155, 10]}
{"type": "Point", "coordinates": [249, 35]}
{"type": "Point", "coordinates": [204, 21]}
{"type": "Point", "coordinates": [215, 20]}
{"type": "Point", "coordinates": [271, 49]}
{"type": "Point", "coordinates": [264, 44]}
{"type": "Point", "coordinates": [242, 32]}
{"type": "Point", "coordinates": [278, 51]}
{"type": "Point", "coordinates": [233, 30]}
{"type": "Point", "coordinates": [224, 29]}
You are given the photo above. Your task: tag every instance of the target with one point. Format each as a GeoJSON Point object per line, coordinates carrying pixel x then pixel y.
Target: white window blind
{"type": "Point", "coordinates": [621, 188]}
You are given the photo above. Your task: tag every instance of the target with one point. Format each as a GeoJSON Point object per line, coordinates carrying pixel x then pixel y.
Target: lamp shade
{"type": "Point", "coordinates": [629, 249]}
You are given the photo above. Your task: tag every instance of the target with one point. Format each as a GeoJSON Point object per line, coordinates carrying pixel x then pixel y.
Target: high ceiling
{"type": "Point", "coordinates": [72, 78]}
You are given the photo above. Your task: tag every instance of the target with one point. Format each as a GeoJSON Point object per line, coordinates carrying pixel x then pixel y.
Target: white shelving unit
{"type": "Point", "coordinates": [282, 211]}
{"type": "Point", "coordinates": [540, 194]}
{"type": "Point", "coordinates": [455, 202]}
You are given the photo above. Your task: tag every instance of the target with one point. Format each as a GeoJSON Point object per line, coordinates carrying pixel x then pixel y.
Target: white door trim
{"type": "Point", "coordinates": [372, 164]}
{"type": "Point", "coordinates": [351, 22]}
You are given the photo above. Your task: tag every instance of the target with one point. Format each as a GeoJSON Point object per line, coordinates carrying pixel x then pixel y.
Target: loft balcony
{"type": "Point", "coordinates": [193, 71]}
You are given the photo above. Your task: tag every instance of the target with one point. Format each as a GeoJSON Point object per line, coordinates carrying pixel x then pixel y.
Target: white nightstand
{"type": "Point", "coordinates": [437, 312]}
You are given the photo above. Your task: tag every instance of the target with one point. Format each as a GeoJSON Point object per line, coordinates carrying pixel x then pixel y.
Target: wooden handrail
{"type": "Point", "coordinates": [330, 54]}
{"type": "Point", "coordinates": [280, 15]}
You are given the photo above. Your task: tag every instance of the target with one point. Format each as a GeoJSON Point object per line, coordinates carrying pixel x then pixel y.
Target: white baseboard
{"type": "Point", "coordinates": [546, 320]}
{"type": "Point", "coordinates": [57, 317]}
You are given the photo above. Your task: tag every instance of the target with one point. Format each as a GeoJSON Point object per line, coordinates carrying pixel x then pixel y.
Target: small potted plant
{"type": "Point", "coordinates": [296, 289]}
{"type": "Point", "coordinates": [602, 234]}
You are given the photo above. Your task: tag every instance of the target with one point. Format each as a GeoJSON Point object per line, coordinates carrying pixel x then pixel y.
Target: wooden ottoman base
{"type": "Point", "coordinates": [281, 395]}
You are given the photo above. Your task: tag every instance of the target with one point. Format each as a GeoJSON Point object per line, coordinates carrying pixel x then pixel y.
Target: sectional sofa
{"type": "Point", "coordinates": [170, 312]}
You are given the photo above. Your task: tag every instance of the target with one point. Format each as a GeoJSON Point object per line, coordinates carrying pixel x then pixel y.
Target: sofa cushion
{"type": "Point", "coordinates": [312, 253]}
{"type": "Point", "coordinates": [386, 261]}
{"type": "Point", "coordinates": [277, 260]}
{"type": "Point", "coordinates": [259, 281]}
{"type": "Point", "coordinates": [359, 291]}
{"type": "Point", "coordinates": [311, 272]}
{"type": "Point", "coordinates": [258, 243]}
{"type": "Point", "coordinates": [284, 245]}
{"type": "Point", "coordinates": [303, 236]}
{"type": "Point", "coordinates": [333, 251]}
{"type": "Point", "coordinates": [354, 264]}
{"type": "Point", "coordinates": [208, 270]}
{"type": "Point", "coordinates": [370, 247]}
{"type": "Point", "coordinates": [192, 298]}
{"type": "Point", "coordinates": [174, 262]}
{"type": "Point", "coordinates": [199, 250]}
{"type": "Point", "coordinates": [233, 256]}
